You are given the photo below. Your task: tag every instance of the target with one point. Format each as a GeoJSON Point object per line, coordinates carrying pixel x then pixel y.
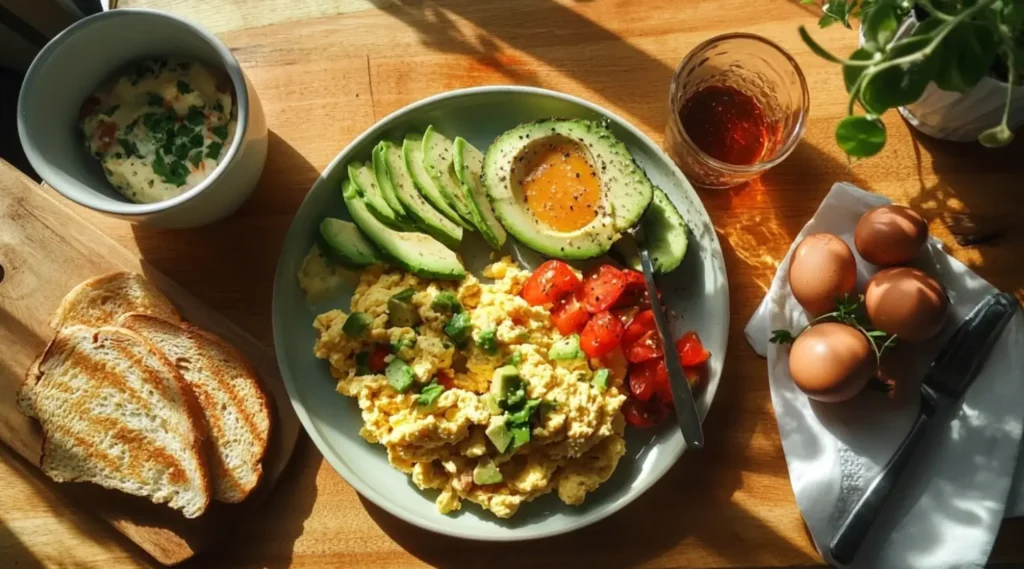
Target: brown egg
{"type": "Point", "coordinates": [831, 362]}
{"type": "Point", "coordinates": [890, 235]}
{"type": "Point", "coordinates": [822, 269]}
{"type": "Point", "coordinates": [906, 302]}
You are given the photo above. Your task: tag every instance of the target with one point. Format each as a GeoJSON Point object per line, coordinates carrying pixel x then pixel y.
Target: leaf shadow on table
{"type": "Point", "coordinates": [232, 262]}
{"type": "Point", "coordinates": [578, 47]}
{"type": "Point", "coordinates": [12, 549]}
{"type": "Point", "coordinates": [976, 187]}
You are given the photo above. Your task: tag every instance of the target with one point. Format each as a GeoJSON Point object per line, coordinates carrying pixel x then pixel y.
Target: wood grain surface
{"type": "Point", "coordinates": [325, 76]}
{"type": "Point", "coordinates": [45, 251]}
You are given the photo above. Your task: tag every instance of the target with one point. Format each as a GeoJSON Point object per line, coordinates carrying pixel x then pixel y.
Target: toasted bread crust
{"type": "Point", "coordinates": [214, 369]}
{"type": "Point", "coordinates": [69, 357]}
{"type": "Point", "coordinates": [100, 301]}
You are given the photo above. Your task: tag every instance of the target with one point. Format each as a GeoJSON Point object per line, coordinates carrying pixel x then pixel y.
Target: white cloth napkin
{"type": "Point", "coordinates": [948, 507]}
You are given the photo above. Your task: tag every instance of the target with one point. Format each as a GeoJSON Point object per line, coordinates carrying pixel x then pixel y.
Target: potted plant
{"type": "Point", "coordinates": [945, 64]}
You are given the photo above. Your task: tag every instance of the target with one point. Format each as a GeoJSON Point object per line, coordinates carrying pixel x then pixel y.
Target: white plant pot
{"type": "Point", "coordinates": [960, 116]}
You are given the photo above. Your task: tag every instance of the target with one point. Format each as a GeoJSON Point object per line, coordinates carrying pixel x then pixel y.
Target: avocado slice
{"type": "Point", "coordinates": [357, 325]}
{"type": "Point", "coordinates": [491, 402]}
{"type": "Point", "coordinates": [504, 381]}
{"type": "Point", "coordinates": [439, 161]}
{"type": "Point", "coordinates": [426, 217]}
{"type": "Point", "coordinates": [600, 379]}
{"type": "Point", "coordinates": [468, 169]}
{"type": "Point", "coordinates": [365, 183]}
{"type": "Point", "coordinates": [625, 189]}
{"type": "Point", "coordinates": [412, 155]}
{"type": "Point", "coordinates": [401, 312]}
{"type": "Point", "coordinates": [417, 253]}
{"type": "Point", "coordinates": [667, 238]}
{"type": "Point", "coordinates": [459, 328]}
{"type": "Point", "coordinates": [400, 375]}
{"type": "Point", "coordinates": [499, 435]}
{"type": "Point", "coordinates": [486, 472]}
{"type": "Point", "coordinates": [387, 189]}
{"type": "Point", "coordinates": [343, 243]}
{"type": "Point", "coordinates": [568, 348]}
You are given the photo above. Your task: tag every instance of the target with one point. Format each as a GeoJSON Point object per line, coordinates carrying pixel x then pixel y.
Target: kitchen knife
{"type": "Point", "coordinates": [948, 377]}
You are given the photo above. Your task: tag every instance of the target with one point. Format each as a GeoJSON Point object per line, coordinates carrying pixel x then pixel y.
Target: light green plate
{"type": "Point", "coordinates": [698, 292]}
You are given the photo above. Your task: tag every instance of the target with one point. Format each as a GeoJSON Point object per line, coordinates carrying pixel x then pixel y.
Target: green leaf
{"type": "Point", "coordinates": [213, 150]}
{"type": "Point", "coordinates": [996, 136]}
{"type": "Point", "coordinates": [901, 84]}
{"type": "Point", "coordinates": [817, 49]}
{"type": "Point", "coordinates": [220, 132]}
{"type": "Point", "coordinates": [839, 10]}
{"type": "Point", "coordinates": [782, 337]}
{"type": "Point", "coordinates": [860, 136]}
{"type": "Point", "coordinates": [880, 26]}
{"type": "Point", "coordinates": [195, 116]}
{"type": "Point", "coordinates": [195, 158]}
{"type": "Point", "coordinates": [967, 54]}
{"type": "Point", "coordinates": [184, 88]}
{"type": "Point", "coordinates": [851, 73]}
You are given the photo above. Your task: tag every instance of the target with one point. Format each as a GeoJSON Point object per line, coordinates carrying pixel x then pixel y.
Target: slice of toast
{"type": "Point", "coordinates": [115, 412]}
{"type": "Point", "coordinates": [102, 300]}
{"type": "Point", "coordinates": [234, 405]}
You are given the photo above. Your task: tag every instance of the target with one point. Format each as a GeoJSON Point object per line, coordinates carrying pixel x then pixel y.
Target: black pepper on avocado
{"type": "Point", "coordinates": [401, 311]}
{"type": "Point", "coordinates": [357, 325]}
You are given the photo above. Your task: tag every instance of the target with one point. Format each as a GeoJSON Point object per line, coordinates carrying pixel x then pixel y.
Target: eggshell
{"type": "Point", "coordinates": [821, 270]}
{"type": "Point", "coordinates": [831, 362]}
{"type": "Point", "coordinates": [906, 302]}
{"type": "Point", "coordinates": [890, 235]}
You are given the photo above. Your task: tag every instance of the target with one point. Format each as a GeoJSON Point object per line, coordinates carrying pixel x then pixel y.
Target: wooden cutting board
{"type": "Point", "coordinates": [45, 250]}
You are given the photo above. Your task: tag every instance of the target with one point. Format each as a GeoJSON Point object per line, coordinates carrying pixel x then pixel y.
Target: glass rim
{"type": "Point", "coordinates": [794, 137]}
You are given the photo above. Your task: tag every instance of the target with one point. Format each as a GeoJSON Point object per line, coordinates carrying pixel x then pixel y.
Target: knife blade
{"type": "Point", "coordinates": [682, 397]}
{"type": "Point", "coordinates": [958, 364]}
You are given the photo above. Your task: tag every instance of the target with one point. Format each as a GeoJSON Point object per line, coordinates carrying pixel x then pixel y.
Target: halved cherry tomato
{"type": "Point", "coordinates": [635, 293]}
{"type": "Point", "coordinates": [601, 335]}
{"type": "Point", "coordinates": [376, 361]}
{"type": "Point", "coordinates": [641, 341]}
{"type": "Point", "coordinates": [691, 350]}
{"type": "Point", "coordinates": [446, 378]}
{"type": "Point", "coordinates": [602, 289]}
{"type": "Point", "coordinates": [650, 378]}
{"type": "Point", "coordinates": [569, 315]}
{"type": "Point", "coordinates": [640, 414]}
{"type": "Point", "coordinates": [550, 282]}
{"type": "Point", "coordinates": [625, 315]}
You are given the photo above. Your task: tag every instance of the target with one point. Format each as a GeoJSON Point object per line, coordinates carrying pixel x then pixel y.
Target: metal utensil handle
{"type": "Point", "coordinates": [686, 408]}
{"type": "Point", "coordinates": [857, 524]}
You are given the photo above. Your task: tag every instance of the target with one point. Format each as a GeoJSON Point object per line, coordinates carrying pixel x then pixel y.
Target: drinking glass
{"type": "Point", "coordinates": [756, 67]}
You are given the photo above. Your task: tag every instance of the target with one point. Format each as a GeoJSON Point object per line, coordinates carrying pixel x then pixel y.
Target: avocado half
{"type": "Point", "coordinates": [625, 189]}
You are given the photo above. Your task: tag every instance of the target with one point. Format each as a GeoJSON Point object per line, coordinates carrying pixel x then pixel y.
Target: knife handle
{"type": "Point", "coordinates": [858, 522]}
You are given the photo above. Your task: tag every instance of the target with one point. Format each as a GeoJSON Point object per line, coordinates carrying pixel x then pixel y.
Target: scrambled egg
{"type": "Point", "coordinates": [574, 444]}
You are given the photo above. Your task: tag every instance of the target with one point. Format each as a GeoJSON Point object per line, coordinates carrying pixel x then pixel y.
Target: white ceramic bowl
{"type": "Point", "coordinates": [77, 61]}
{"type": "Point", "coordinates": [697, 291]}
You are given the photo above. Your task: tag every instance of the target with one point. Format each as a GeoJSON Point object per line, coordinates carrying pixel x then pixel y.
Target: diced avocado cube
{"type": "Point", "coordinates": [401, 312]}
{"type": "Point", "coordinates": [429, 394]}
{"type": "Point", "coordinates": [363, 363]}
{"type": "Point", "coordinates": [492, 403]}
{"type": "Point", "coordinates": [445, 301]}
{"type": "Point", "coordinates": [486, 472]}
{"type": "Point", "coordinates": [600, 379]}
{"type": "Point", "coordinates": [357, 325]}
{"type": "Point", "coordinates": [487, 340]}
{"type": "Point", "coordinates": [525, 414]}
{"type": "Point", "coordinates": [504, 381]}
{"type": "Point", "coordinates": [499, 435]}
{"type": "Point", "coordinates": [459, 328]}
{"type": "Point", "coordinates": [568, 348]}
{"type": "Point", "coordinates": [400, 375]}
{"type": "Point", "coordinates": [520, 436]}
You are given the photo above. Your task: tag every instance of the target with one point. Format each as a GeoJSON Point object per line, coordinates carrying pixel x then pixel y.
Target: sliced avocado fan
{"type": "Point", "coordinates": [387, 189]}
{"type": "Point", "coordinates": [417, 253]}
{"type": "Point", "coordinates": [423, 214]}
{"type": "Point", "coordinates": [365, 183]}
{"type": "Point", "coordinates": [412, 154]}
{"type": "Point", "coordinates": [439, 161]}
{"type": "Point", "coordinates": [343, 243]}
{"type": "Point", "coordinates": [468, 168]}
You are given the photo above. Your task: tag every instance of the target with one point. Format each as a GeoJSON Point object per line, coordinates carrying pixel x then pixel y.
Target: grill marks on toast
{"type": "Point", "coordinates": [116, 412]}
{"type": "Point", "coordinates": [102, 300]}
{"type": "Point", "coordinates": [235, 408]}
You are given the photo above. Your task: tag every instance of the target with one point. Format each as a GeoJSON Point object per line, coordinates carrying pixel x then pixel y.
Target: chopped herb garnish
{"type": "Point", "coordinates": [195, 116]}
{"type": "Point", "coordinates": [195, 158]}
{"type": "Point", "coordinates": [196, 140]}
{"type": "Point", "coordinates": [174, 173]}
{"type": "Point", "coordinates": [160, 122]}
{"type": "Point", "coordinates": [220, 132]}
{"type": "Point", "coordinates": [181, 150]}
{"type": "Point", "coordinates": [129, 147]}
{"type": "Point", "coordinates": [154, 100]}
{"type": "Point", "coordinates": [168, 147]}
{"type": "Point", "coordinates": [217, 107]}
{"type": "Point", "coordinates": [184, 88]}
{"type": "Point", "coordinates": [429, 394]}
{"type": "Point", "coordinates": [213, 150]}
{"type": "Point", "coordinates": [118, 156]}
{"type": "Point", "coordinates": [110, 112]}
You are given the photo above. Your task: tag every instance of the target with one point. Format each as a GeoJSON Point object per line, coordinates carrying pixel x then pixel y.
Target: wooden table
{"type": "Point", "coordinates": [326, 70]}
